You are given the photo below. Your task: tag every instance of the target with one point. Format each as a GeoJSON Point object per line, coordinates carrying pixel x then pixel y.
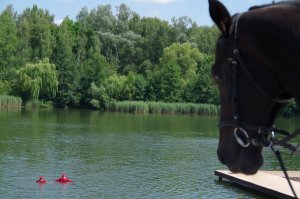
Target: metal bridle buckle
{"type": "Point", "coordinates": [239, 140]}
{"type": "Point", "coordinates": [271, 140]}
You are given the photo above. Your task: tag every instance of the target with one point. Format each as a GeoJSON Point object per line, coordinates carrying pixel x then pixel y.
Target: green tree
{"type": "Point", "coordinates": [165, 82]}
{"type": "Point", "coordinates": [181, 67]}
{"type": "Point", "coordinates": [99, 98]}
{"type": "Point", "coordinates": [107, 55]}
{"type": "Point", "coordinates": [94, 68]}
{"type": "Point", "coordinates": [116, 87]}
{"type": "Point", "coordinates": [130, 87]}
{"type": "Point", "coordinates": [68, 73]}
{"type": "Point", "coordinates": [129, 52]}
{"type": "Point", "coordinates": [123, 16]}
{"type": "Point", "coordinates": [135, 24]}
{"type": "Point", "coordinates": [185, 56]}
{"type": "Point", "coordinates": [35, 33]}
{"type": "Point", "coordinates": [202, 89]}
{"type": "Point", "coordinates": [35, 80]}
{"type": "Point", "coordinates": [181, 28]}
{"type": "Point", "coordinates": [102, 19]}
{"type": "Point", "coordinates": [135, 86]}
{"type": "Point", "coordinates": [157, 36]}
{"type": "Point", "coordinates": [8, 42]}
{"type": "Point", "coordinates": [204, 38]}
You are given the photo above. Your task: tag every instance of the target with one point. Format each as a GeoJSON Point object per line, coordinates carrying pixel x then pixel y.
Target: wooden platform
{"type": "Point", "coordinates": [271, 183]}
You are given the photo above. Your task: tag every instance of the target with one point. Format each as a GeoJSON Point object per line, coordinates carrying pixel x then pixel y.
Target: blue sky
{"type": "Point", "coordinates": [197, 10]}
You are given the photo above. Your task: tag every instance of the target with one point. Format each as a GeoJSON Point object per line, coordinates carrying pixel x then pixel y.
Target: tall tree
{"type": "Point", "coordinates": [204, 38]}
{"type": "Point", "coordinates": [102, 19]}
{"type": "Point", "coordinates": [165, 83]}
{"type": "Point", "coordinates": [186, 57]}
{"type": "Point", "coordinates": [94, 69]}
{"type": "Point", "coordinates": [67, 69]}
{"type": "Point", "coordinates": [124, 14]}
{"type": "Point", "coordinates": [8, 42]}
{"type": "Point", "coordinates": [35, 33]}
{"type": "Point", "coordinates": [156, 34]}
{"type": "Point", "coordinates": [181, 28]}
{"type": "Point", "coordinates": [201, 89]}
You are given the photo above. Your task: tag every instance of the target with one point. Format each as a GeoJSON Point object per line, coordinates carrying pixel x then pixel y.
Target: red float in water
{"type": "Point", "coordinates": [41, 180]}
{"type": "Point", "coordinates": [64, 179]}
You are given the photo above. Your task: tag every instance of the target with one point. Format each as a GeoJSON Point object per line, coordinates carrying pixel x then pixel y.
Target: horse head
{"type": "Point", "coordinates": [250, 94]}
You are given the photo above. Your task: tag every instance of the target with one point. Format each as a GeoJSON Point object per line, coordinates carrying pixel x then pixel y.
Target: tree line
{"type": "Point", "coordinates": [102, 57]}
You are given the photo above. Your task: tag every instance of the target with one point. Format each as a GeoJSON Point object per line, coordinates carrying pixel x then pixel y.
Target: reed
{"type": "Point", "coordinates": [164, 108]}
{"type": "Point", "coordinates": [33, 104]}
{"type": "Point", "coordinates": [7, 101]}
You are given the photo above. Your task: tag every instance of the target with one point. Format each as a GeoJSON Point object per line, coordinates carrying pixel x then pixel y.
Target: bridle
{"type": "Point", "coordinates": [265, 135]}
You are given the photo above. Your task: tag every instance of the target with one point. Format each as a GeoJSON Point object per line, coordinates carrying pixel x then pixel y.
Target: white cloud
{"type": "Point", "coordinates": [58, 21]}
{"type": "Point", "coordinates": [158, 1]}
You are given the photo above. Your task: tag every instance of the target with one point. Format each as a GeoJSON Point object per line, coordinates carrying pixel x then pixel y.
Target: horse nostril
{"type": "Point", "coordinates": [221, 158]}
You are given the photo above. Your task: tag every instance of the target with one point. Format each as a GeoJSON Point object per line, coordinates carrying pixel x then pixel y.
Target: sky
{"type": "Point", "coordinates": [197, 10]}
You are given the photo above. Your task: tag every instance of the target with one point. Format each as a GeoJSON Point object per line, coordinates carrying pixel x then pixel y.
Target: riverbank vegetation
{"type": "Point", "coordinates": [10, 102]}
{"type": "Point", "coordinates": [164, 108]}
{"type": "Point", "coordinates": [107, 59]}
{"type": "Point", "coordinates": [102, 58]}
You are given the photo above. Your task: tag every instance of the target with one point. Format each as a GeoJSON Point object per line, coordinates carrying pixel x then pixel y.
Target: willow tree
{"type": "Point", "coordinates": [38, 79]}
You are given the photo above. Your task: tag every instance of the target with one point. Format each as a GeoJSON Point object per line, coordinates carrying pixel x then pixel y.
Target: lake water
{"type": "Point", "coordinates": [114, 155]}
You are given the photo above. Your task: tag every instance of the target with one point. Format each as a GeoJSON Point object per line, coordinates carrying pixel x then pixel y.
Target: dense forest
{"type": "Point", "coordinates": [103, 57]}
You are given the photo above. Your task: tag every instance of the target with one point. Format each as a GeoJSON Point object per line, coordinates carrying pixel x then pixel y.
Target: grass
{"type": "Point", "coordinates": [7, 101]}
{"type": "Point", "coordinates": [32, 104]}
{"type": "Point", "coordinates": [164, 108]}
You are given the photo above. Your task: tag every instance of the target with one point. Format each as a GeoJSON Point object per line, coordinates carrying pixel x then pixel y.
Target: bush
{"type": "Point", "coordinates": [292, 109]}
{"type": "Point", "coordinates": [32, 104]}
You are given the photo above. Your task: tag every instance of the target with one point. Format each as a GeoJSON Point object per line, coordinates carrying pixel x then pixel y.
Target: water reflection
{"type": "Point", "coordinates": [112, 155]}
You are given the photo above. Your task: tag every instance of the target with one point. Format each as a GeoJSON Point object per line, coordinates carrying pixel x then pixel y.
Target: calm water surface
{"type": "Point", "coordinates": [113, 155]}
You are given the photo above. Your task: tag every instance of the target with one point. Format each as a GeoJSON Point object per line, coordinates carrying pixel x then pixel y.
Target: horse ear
{"type": "Point", "coordinates": [220, 16]}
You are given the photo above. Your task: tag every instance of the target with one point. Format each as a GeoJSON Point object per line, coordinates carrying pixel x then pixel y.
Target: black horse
{"type": "Point", "coordinates": [257, 70]}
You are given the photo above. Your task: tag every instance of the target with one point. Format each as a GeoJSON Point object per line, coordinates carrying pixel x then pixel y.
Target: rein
{"type": "Point", "coordinates": [266, 136]}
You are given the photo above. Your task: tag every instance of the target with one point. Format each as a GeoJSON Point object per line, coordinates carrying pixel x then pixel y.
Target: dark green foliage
{"type": "Point", "coordinates": [98, 97]}
{"type": "Point", "coordinates": [35, 80]}
{"type": "Point", "coordinates": [105, 57]}
{"type": "Point", "coordinates": [8, 42]}
{"type": "Point", "coordinates": [35, 28]}
{"type": "Point", "coordinates": [292, 109]}
{"type": "Point", "coordinates": [68, 72]}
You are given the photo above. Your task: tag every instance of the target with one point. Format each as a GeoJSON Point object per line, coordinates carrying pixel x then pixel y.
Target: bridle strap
{"type": "Point", "coordinates": [264, 138]}
{"type": "Point", "coordinates": [241, 62]}
{"type": "Point", "coordinates": [259, 129]}
{"type": "Point", "coordinates": [237, 61]}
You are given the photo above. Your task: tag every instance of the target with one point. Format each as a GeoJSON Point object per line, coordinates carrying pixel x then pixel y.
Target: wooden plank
{"type": "Point", "coordinates": [271, 183]}
{"type": "Point", "coordinates": [292, 174]}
